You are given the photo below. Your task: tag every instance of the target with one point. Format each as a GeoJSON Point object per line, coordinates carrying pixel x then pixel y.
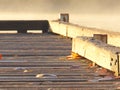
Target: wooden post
{"type": "Point", "coordinates": [64, 17]}
{"type": "Point", "coordinates": [22, 31]}
{"type": "Point", "coordinates": [101, 37]}
{"type": "Point", "coordinates": [118, 61]}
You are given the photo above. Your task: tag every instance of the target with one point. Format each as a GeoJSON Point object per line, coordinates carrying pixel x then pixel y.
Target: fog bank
{"type": "Point", "coordinates": [103, 14]}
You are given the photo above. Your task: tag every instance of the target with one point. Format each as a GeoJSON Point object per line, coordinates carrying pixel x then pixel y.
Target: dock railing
{"type": "Point", "coordinates": [105, 54]}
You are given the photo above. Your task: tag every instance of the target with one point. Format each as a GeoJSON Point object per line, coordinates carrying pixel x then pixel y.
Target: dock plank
{"type": "Point", "coordinates": [27, 55]}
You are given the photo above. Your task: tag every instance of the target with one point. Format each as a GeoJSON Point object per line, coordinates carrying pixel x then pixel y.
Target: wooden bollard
{"type": "Point", "coordinates": [101, 37]}
{"type": "Point", "coordinates": [64, 17]}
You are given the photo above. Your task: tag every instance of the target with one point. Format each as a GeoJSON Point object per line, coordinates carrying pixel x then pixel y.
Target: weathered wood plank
{"type": "Point", "coordinates": [71, 75]}
{"type": "Point", "coordinates": [63, 86]}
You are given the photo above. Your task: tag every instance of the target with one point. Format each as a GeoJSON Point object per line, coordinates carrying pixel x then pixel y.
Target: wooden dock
{"type": "Point", "coordinates": [38, 62]}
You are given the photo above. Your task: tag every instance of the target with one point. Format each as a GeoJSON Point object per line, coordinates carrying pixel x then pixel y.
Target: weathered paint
{"type": "Point", "coordinates": [72, 30]}
{"type": "Point", "coordinates": [100, 53]}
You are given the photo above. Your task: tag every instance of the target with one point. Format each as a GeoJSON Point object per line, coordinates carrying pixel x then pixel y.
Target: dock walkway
{"type": "Point", "coordinates": [38, 62]}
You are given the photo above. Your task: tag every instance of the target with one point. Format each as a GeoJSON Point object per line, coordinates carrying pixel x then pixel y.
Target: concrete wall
{"type": "Point", "coordinates": [73, 31]}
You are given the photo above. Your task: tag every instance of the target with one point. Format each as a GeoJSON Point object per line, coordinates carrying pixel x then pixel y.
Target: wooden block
{"type": "Point", "coordinates": [101, 37]}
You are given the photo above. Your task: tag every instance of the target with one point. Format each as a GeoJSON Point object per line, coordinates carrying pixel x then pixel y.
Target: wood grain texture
{"type": "Point", "coordinates": [27, 55]}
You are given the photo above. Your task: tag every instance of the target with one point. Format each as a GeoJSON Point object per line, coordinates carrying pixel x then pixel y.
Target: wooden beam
{"type": "Point", "coordinates": [102, 54]}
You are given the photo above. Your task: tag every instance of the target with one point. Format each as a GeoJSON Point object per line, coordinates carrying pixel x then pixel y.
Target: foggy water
{"type": "Point", "coordinates": [103, 14]}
